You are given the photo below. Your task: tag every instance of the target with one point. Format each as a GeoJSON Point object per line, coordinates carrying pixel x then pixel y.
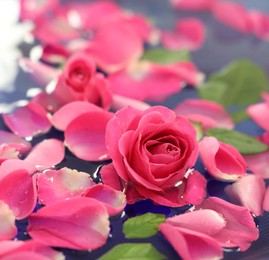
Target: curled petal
{"type": "Point", "coordinates": [113, 200]}
{"type": "Point", "coordinates": [27, 121]}
{"type": "Point", "coordinates": [18, 190]}
{"type": "Point", "coordinates": [207, 113]}
{"type": "Point", "coordinates": [56, 185]}
{"type": "Point", "coordinates": [79, 223]}
{"type": "Point", "coordinates": [259, 113]}
{"type": "Point", "coordinates": [85, 135]}
{"type": "Point", "coordinates": [70, 111]}
{"type": "Point", "coordinates": [248, 192]}
{"type": "Point", "coordinates": [8, 229]}
{"type": "Point", "coordinates": [46, 154]}
{"type": "Point", "coordinates": [221, 160]}
{"type": "Point", "coordinates": [194, 5]}
{"type": "Point", "coordinates": [189, 34]}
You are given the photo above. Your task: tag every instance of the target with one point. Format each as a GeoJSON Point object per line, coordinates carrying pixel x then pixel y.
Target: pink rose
{"type": "Point", "coordinates": [152, 151]}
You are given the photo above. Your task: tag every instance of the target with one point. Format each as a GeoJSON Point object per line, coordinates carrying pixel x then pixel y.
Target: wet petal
{"type": "Point", "coordinates": [248, 192]}
{"type": "Point", "coordinates": [56, 185]}
{"type": "Point", "coordinates": [27, 121]}
{"type": "Point", "coordinates": [259, 113]}
{"type": "Point", "coordinates": [8, 229]}
{"type": "Point", "coordinates": [85, 135]}
{"type": "Point", "coordinates": [113, 200]}
{"type": "Point", "coordinates": [78, 223]}
{"type": "Point", "coordinates": [221, 160]}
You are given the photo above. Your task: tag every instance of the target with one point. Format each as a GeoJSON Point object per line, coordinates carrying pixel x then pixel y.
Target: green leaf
{"type": "Point", "coordinates": [143, 226]}
{"type": "Point", "coordinates": [244, 143]}
{"type": "Point", "coordinates": [164, 56]}
{"type": "Point", "coordinates": [240, 83]}
{"type": "Point", "coordinates": [199, 130]}
{"type": "Point", "coordinates": [129, 251]}
{"type": "Point", "coordinates": [239, 116]}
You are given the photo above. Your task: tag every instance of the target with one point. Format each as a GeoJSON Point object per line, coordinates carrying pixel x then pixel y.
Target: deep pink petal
{"type": "Point", "coordinates": [232, 14]}
{"type": "Point", "coordinates": [27, 121]}
{"type": "Point", "coordinates": [221, 160]}
{"type": "Point", "coordinates": [70, 111]}
{"type": "Point", "coordinates": [191, 244]}
{"type": "Point", "coordinates": [113, 200]}
{"type": "Point", "coordinates": [207, 113]}
{"type": "Point", "coordinates": [259, 23]}
{"type": "Point", "coordinates": [25, 255]}
{"type": "Point", "coordinates": [110, 177]}
{"type": "Point", "coordinates": [56, 185]}
{"type": "Point", "coordinates": [104, 47]}
{"type": "Point", "coordinates": [266, 200]}
{"type": "Point", "coordinates": [189, 34]}
{"type": "Point", "coordinates": [259, 113]}
{"type": "Point", "coordinates": [240, 229]}
{"type": "Point", "coordinates": [46, 154]}
{"type": "Point", "coordinates": [194, 5]}
{"type": "Point", "coordinates": [8, 229]}
{"type": "Point", "coordinates": [248, 192]}
{"type": "Point", "coordinates": [85, 135]}
{"type": "Point", "coordinates": [18, 190]}
{"type": "Point", "coordinates": [79, 223]}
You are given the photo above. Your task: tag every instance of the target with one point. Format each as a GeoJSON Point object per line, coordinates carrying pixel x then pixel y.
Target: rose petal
{"type": "Point", "coordinates": [85, 135]}
{"type": "Point", "coordinates": [221, 160]}
{"type": "Point", "coordinates": [259, 114]}
{"type": "Point", "coordinates": [259, 24]}
{"type": "Point", "coordinates": [18, 190]}
{"type": "Point", "coordinates": [56, 185]}
{"type": "Point", "coordinates": [46, 154]}
{"type": "Point", "coordinates": [266, 200]}
{"type": "Point", "coordinates": [194, 5]}
{"type": "Point", "coordinates": [207, 113]}
{"type": "Point", "coordinates": [27, 121]}
{"type": "Point", "coordinates": [78, 223]}
{"type": "Point", "coordinates": [25, 255]}
{"type": "Point", "coordinates": [113, 200]}
{"type": "Point", "coordinates": [248, 192]}
{"type": "Point", "coordinates": [8, 229]}
{"type": "Point", "coordinates": [189, 34]}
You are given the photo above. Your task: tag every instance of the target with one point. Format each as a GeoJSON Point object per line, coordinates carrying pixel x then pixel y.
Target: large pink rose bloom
{"type": "Point", "coordinates": [152, 151]}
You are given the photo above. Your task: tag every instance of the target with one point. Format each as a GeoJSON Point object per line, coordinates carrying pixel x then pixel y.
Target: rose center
{"type": "Point", "coordinates": [164, 148]}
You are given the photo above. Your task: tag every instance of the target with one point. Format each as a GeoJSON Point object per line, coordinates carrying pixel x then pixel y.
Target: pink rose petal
{"type": "Point", "coordinates": [78, 223]}
{"type": "Point", "coordinates": [189, 34]}
{"type": "Point", "coordinates": [27, 121]}
{"type": "Point", "coordinates": [56, 185]}
{"type": "Point", "coordinates": [259, 24]}
{"type": "Point", "coordinates": [110, 177]}
{"type": "Point", "coordinates": [248, 192]}
{"type": "Point", "coordinates": [45, 154]}
{"type": "Point", "coordinates": [25, 255]}
{"type": "Point", "coordinates": [113, 200]}
{"type": "Point", "coordinates": [193, 5]}
{"type": "Point", "coordinates": [266, 200]}
{"type": "Point", "coordinates": [18, 190]}
{"type": "Point", "coordinates": [207, 113]}
{"type": "Point", "coordinates": [259, 113]}
{"type": "Point", "coordinates": [8, 229]}
{"type": "Point", "coordinates": [85, 135]}
{"type": "Point", "coordinates": [232, 14]}
{"type": "Point", "coordinates": [221, 160]}
{"type": "Point", "coordinates": [7, 152]}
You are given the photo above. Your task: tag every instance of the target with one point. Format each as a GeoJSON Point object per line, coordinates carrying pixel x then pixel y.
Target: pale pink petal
{"type": "Point", "coordinates": [85, 135]}
{"type": "Point", "coordinates": [240, 229]}
{"type": "Point", "coordinates": [27, 121]}
{"type": "Point", "coordinates": [104, 47]}
{"type": "Point", "coordinates": [7, 152]}
{"type": "Point", "coordinates": [259, 164]}
{"type": "Point", "coordinates": [48, 101]}
{"type": "Point", "coordinates": [18, 190]}
{"type": "Point", "coordinates": [70, 111]}
{"type": "Point", "coordinates": [259, 23]}
{"type": "Point", "coordinates": [189, 34]}
{"type": "Point", "coordinates": [266, 200]}
{"type": "Point", "coordinates": [40, 72]}
{"type": "Point", "coordinates": [8, 229]}
{"type": "Point", "coordinates": [56, 185]}
{"type": "Point", "coordinates": [248, 192]}
{"type": "Point", "coordinates": [113, 200]}
{"type": "Point", "coordinates": [190, 244]}
{"type": "Point", "coordinates": [232, 14]}
{"type": "Point", "coordinates": [46, 154]}
{"type": "Point", "coordinates": [259, 113]}
{"type": "Point", "coordinates": [79, 223]}
{"type": "Point", "coordinates": [15, 141]}
{"type": "Point", "coordinates": [207, 113]}
{"type": "Point", "coordinates": [25, 255]}
{"type": "Point", "coordinates": [193, 5]}
{"type": "Point", "coordinates": [221, 160]}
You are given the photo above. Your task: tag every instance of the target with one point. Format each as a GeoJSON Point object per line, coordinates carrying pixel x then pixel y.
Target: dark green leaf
{"type": "Point", "coordinates": [143, 226]}
{"type": "Point", "coordinates": [244, 143]}
{"type": "Point", "coordinates": [164, 56]}
{"type": "Point", "coordinates": [240, 83]}
{"type": "Point", "coordinates": [129, 251]}
{"type": "Point", "coordinates": [239, 116]}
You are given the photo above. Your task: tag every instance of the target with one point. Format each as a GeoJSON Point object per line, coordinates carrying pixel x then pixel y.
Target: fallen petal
{"type": "Point", "coordinates": [259, 114]}
{"type": "Point", "coordinates": [194, 5]}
